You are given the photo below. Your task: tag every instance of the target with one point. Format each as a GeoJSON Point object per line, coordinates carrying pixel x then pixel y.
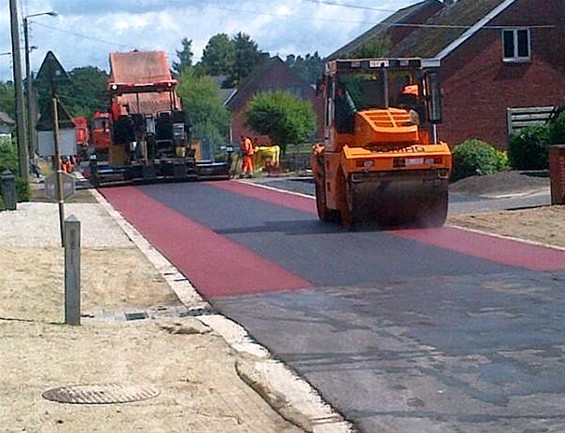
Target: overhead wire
{"type": "Point", "coordinates": [81, 35]}
{"type": "Point", "coordinates": [353, 6]}
{"type": "Point", "coordinates": [223, 7]}
{"type": "Point", "coordinates": [349, 6]}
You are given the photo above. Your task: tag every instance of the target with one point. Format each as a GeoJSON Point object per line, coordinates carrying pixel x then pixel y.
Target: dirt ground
{"type": "Point", "coordinates": [545, 225]}
{"type": "Point", "coordinates": [187, 364]}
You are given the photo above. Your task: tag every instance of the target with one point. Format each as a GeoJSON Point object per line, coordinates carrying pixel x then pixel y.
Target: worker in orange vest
{"type": "Point", "coordinates": [247, 151]}
{"type": "Point", "coordinates": [66, 164]}
{"type": "Point", "coordinates": [409, 97]}
{"type": "Point", "coordinates": [410, 89]}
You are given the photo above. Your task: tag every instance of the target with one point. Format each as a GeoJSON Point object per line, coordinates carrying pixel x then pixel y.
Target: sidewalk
{"type": "Point", "coordinates": [150, 354]}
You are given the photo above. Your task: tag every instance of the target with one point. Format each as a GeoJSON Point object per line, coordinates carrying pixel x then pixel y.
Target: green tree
{"type": "Point", "coordinates": [247, 56]}
{"type": "Point", "coordinates": [7, 100]}
{"type": "Point", "coordinates": [83, 94]}
{"type": "Point", "coordinates": [203, 104]}
{"type": "Point", "coordinates": [185, 57]}
{"type": "Point", "coordinates": [218, 57]}
{"type": "Point", "coordinates": [283, 117]}
{"type": "Point", "coordinates": [378, 47]}
{"type": "Point", "coordinates": [310, 68]}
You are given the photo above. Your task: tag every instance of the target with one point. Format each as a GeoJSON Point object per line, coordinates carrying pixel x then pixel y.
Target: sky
{"type": "Point", "coordinates": [84, 32]}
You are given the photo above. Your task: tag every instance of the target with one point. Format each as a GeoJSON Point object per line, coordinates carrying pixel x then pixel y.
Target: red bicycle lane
{"type": "Point", "coordinates": [218, 266]}
{"type": "Point", "coordinates": [484, 246]}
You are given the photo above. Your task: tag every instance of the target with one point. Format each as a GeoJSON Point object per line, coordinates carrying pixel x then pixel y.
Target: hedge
{"type": "Point", "coordinates": [475, 157]}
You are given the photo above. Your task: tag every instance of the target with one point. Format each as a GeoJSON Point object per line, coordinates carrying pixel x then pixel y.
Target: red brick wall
{"type": "Point", "coordinates": [478, 86]}
{"type": "Point", "coordinates": [557, 173]}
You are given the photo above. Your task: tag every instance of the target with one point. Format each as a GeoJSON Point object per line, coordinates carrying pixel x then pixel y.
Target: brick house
{"type": "Point", "coordinates": [493, 55]}
{"type": "Point", "coordinates": [269, 76]}
{"type": "Point", "coordinates": [7, 125]}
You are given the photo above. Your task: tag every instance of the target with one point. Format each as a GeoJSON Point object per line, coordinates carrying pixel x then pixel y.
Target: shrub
{"type": "Point", "coordinates": [557, 129]}
{"type": "Point", "coordinates": [502, 161]}
{"type": "Point", "coordinates": [8, 157]}
{"type": "Point", "coordinates": [23, 190]}
{"type": "Point", "coordinates": [476, 157]}
{"type": "Point", "coordinates": [9, 160]}
{"type": "Point", "coordinates": [529, 148]}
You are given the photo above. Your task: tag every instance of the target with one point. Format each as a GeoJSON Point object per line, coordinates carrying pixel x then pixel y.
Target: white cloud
{"type": "Point", "coordinates": [283, 11]}
{"type": "Point", "coordinates": [86, 31]}
{"type": "Point", "coordinates": [128, 22]}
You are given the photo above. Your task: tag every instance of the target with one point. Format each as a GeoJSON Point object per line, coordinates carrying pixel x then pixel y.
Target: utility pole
{"type": "Point", "coordinates": [31, 105]}
{"type": "Point", "coordinates": [23, 156]}
{"type": "Point", "coordinates": [29, 93]}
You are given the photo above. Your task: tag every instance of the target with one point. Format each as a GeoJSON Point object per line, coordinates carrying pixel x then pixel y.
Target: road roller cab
{"type": "Point", "coordinates": [381, 161]}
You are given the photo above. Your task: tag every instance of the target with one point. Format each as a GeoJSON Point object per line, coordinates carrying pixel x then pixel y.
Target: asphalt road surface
{"type": "Point", "coordinates": [438, 330]}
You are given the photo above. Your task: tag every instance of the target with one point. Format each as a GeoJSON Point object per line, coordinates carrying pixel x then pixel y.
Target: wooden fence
{"type": "Point", "coordinates": [518, 118]}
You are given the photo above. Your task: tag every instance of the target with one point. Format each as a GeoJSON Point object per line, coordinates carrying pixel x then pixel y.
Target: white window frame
{"type": "Point", "coordinates": [516, 58]}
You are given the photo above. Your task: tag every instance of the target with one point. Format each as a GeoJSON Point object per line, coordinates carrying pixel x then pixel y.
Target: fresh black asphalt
{"type": "Point", "coordinates": [397, 335]}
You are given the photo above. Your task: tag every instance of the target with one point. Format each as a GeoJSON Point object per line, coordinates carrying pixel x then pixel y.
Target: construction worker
{"type": "Point", "coordinates": [410, 89]}
{"type": "Point", "coordinates": [66, 164]}
{"type": "Point", "coordinates": [247, 151]}
{"type": "Point", "coordinates": [409, 97]}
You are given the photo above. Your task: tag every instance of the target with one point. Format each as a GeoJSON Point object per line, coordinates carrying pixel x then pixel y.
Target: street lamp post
{"type": "Point", "coordinates": [31, 113]}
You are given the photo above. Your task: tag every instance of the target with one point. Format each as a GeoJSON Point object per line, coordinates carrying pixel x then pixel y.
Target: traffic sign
{"type": "Point", "coordinates": [51, 69]}
{"type": "Point", "coordinates": [69, 186]}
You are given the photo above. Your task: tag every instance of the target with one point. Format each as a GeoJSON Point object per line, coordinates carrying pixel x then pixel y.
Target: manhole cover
{"type": "Point", "coordinates": [100, 394]}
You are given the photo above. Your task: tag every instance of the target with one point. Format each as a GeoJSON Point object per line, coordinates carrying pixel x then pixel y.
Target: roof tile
{"type": "Point", "coordinates": [444, 28]}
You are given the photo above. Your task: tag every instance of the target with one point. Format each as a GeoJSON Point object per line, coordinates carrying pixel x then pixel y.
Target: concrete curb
{"type": "Point", "coordinates": [288, 394]}
{"type": "Point", "coordinates": [292, 397]}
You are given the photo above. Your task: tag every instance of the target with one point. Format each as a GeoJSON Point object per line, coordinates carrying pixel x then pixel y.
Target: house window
{"type": "Point", "coordinates": [516, 43]}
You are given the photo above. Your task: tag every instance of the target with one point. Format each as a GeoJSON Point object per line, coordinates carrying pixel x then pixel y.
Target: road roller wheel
{"type": "Point", "coordinates": [434, 213]}
{"type": "Point", "coordinates": [344, 201]}
{"type": "Point", "coordinates": [346, 217]}
{"type": "Point", "coordinates": [324, 213]}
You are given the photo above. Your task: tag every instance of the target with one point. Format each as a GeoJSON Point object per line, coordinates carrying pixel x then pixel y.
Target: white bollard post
{"type": "Point", "coordinates": [72, 270]}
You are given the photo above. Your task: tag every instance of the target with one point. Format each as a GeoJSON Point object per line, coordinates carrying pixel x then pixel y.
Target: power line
{"type": "Point", "coordinates": [327, 2]}
{"type": "Point", "coordinates": [352, 6]}
{"type": "Point", "coordinates": [277, 15]}
{"type": "Point", "coordinates": [349, 6]}
{"type": "Point", "coordinates": [81, 35]}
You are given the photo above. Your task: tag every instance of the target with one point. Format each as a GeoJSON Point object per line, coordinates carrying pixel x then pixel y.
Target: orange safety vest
{"type": "Point", "coordinates": [410, 89]}
{"type": "Point", "coordinates": [247, 146]}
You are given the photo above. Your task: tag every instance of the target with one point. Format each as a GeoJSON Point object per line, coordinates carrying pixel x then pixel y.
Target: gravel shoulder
{"type": "Point", "coordinates": [541, 224]}
{"type": "Point", "coordinates": [545, 225]}
{"type": "Point", "coordinates": [502, 183]}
